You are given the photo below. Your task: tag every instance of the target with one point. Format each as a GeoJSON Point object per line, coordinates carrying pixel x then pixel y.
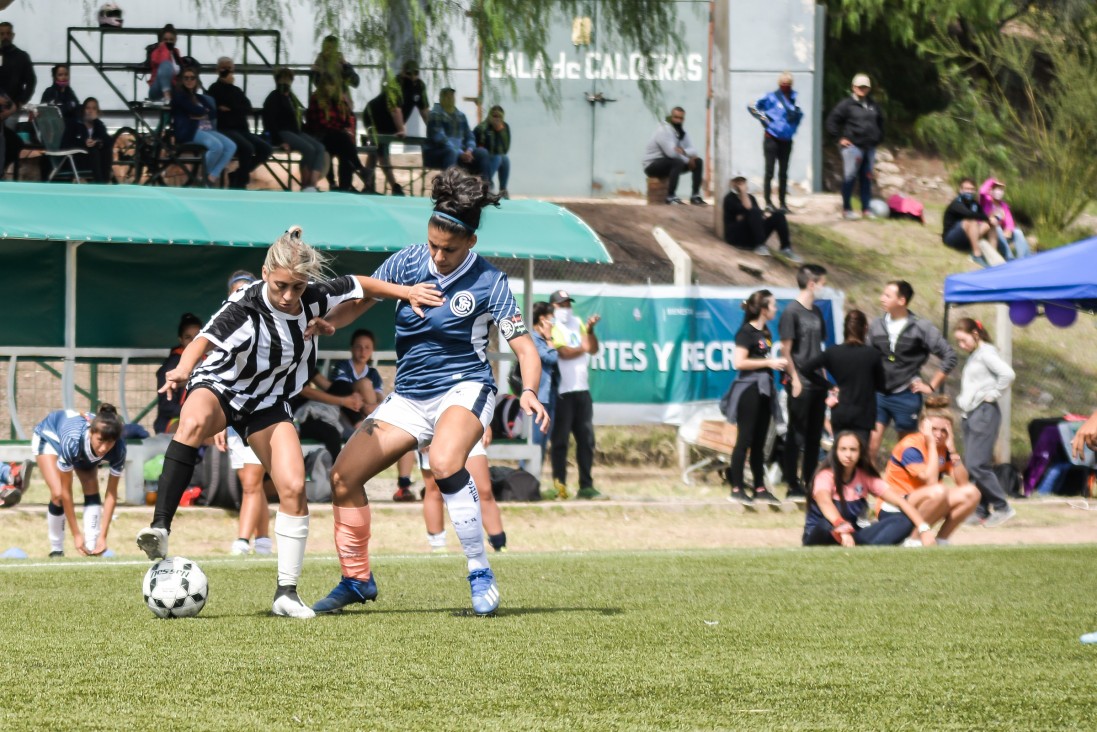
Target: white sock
{"type": "Point", "coordinates": [263, 545]}
{"type": "Point", "coordinates": [437, 541]}
{"type": "Point", "coordinates": [292, 533]}
{"type": "Point", "coordinates": [92, 516]}
{"type": "Point", "coordinates": [55, 527]}
{"type": "Point", "coordinates": [464, 513]}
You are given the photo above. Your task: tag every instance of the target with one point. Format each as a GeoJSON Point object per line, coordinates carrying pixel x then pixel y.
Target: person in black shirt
{"type": "Point", "coordinates": [233, 112]}
{"type": "Point", "coordinates": [282, 112]}
{"type": "Point", "coordinates": [413, 93]}
{"type": "Point", "coordinates": [965, 223]}
{"type": "Point", "coordinates": [748, 402]}
{"type": "Point", "coordinates": [384, 116]}
{"type": "Point", "coordinates": [803, 331]}
{"type": "Point", "coordinates": [746, 227]}
{"type": "Point", "coordinates": [858, 371]}
{"type": "Point", "coordinates": [88, 132]}
{"type": "Point", "coordinates": [858, 124]}
{"type": "Point", "coordinates": [17, 75]}
{"type": "Point", "coordinates": [493, 134]}
{"type": "Point", "coordinates": [61, 95]}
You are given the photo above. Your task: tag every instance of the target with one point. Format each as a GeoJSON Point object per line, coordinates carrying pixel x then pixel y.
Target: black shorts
{"type": "Point", "coordinates": [248, 423]}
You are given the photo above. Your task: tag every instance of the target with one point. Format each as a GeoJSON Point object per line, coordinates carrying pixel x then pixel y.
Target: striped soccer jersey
{"type": "Point", "coordinates": [449, 344]}
{"type": "Point", "coordinates": [261, 356]}
{"type": "Point", "coordinates": [68, 433]}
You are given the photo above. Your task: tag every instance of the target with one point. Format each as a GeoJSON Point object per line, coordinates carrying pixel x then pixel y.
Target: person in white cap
{"type": "Point", "coordinates": [858, 123]}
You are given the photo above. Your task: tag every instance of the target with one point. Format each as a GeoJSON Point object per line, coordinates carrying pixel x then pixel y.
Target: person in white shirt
{"type": "Point", "coordinates": [575, 343]}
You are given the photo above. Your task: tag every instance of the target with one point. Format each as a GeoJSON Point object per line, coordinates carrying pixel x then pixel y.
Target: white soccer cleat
{"type": "Point", "coordinates": [153, 542]}
{"type": "Point", "coordinates": [287, 604]}
{"type": "Point", "coordinates": [240, 548]}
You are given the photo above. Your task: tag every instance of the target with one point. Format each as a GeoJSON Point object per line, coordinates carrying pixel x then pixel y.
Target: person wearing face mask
{"type": "Point", "coordinates": [547, 390]}
{"type": "Point", "coordinates": [493, 135]}
{"type": "Point", "coordinates": [780, 116]}
{"type": "Point", "coordinates": [965, 224]}
{"type": "Point", "coordinates": [669, 153]}
{"type": "Point", "coordinates": [282, 112]}
{"type": "Point", "coordinates": [87, 132]}
{"type": "Point", "coordinates": [60, 94]}
{"type": "Point", "coordinates": [451, 140]}
{"type": "Point", "coordinates": [858, 123]}
{"type": "Point", "coordinates": [1012, 243]}
{"type": "Point", "coordinates": [575, 343]}
{"type": "Point", "coordinates": [233, 110]}
{"type": "Point", "coordinates": [164, 62]}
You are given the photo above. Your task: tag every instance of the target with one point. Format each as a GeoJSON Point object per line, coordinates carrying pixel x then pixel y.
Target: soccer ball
{"type": "Point", "coordinates": [175, 588]}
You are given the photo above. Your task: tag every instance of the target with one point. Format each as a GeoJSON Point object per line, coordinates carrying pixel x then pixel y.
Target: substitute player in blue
{"type": "Point", "coordinates": [445, 389]}
{"type": "Point", "coordinates": [261, 354]}
{"type": "Point", "coordinates": [68, 442]}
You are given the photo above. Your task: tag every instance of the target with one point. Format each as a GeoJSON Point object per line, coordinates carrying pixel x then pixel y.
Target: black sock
{"type": "Point", "coordinates": [453, 483]}
{"type": "Point", "coordinates": [92, 499]}
{"type": "Point", "coordinates": [498, 541]}
{"type": "Point", "coordinates": [179, 462]}
{"type": "Point", "coordinates": [404, 481]}
{"type": "Point", "coordinates": [55, 509]}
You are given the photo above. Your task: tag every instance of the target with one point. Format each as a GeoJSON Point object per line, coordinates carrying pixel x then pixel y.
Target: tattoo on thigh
{"type": "Point", "coordinates": [369, 424]}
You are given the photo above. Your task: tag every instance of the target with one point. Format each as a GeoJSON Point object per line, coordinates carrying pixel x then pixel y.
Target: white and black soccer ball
{"type": "Point", "coordinates": [175, 588]}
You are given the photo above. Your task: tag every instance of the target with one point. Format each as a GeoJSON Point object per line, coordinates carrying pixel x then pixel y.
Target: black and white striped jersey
{"type": "Point", "coordinates": [260, 355]}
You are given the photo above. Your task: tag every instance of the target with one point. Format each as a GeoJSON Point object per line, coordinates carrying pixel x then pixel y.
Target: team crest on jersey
{"type": "Point", "coordinates": [462, 304]}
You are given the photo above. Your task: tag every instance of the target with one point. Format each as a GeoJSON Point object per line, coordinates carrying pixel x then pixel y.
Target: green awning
{"type": "Point", "coordinates": [332, 221]}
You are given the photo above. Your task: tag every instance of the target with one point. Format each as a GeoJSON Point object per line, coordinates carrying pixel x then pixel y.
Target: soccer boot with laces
{"type": "Point", "coordinates": [485, 593]}
{"type": "Point", "coordinates": [153, 542]}
{"type": "Point", "coordinates": [288, 604]}
{"type": "Point", "coordinates": [348, 592]}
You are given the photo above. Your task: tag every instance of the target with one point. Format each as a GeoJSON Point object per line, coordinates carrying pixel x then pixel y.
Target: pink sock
{"type": "Point", "coordinates": [352, 541]}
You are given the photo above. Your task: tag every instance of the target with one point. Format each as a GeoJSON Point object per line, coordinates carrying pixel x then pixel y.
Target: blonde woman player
{"type": "Point", "coordinates": [261, 353]}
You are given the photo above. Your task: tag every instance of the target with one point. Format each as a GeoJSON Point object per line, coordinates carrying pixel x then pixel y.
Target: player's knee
{"type": "Point", "coordinates": [190, 429]}
{"type": "Point", "coordinates": [970, 493]}
{"type": "Point", "coordinates": [291, 489]}
{"type": "Point", "coordinates": [340, 488]}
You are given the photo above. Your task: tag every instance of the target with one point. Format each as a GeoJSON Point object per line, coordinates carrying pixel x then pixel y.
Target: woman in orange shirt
{"type": "Point", "coordinates": [919, 460]}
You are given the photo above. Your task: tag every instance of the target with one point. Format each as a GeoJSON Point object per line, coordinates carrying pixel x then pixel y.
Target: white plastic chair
{"type": "Point", "coordinates": [51, 130]}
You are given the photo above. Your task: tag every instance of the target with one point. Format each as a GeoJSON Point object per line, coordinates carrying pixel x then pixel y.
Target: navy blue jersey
{"type": "Point", "coordinates": [68, 433]}
{"type": "Point", "coordinates": [344, 371]}
{"type": "Point", "coordinates": [261, 356]}
{"type": "Point", "coordinates": [448, 345]}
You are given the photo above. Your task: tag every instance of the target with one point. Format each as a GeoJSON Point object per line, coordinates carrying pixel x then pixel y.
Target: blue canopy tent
{"type": "Point", "coordinates": [1061, 282]}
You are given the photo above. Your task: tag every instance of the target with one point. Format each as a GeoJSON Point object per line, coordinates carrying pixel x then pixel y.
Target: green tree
{"type": "Point", "coordinates": [393, 30]}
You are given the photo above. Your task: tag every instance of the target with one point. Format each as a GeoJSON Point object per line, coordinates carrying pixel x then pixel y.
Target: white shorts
{"type": "Point", "coordinates": [39, 446]}
{"type": "Point", "coordinates": [424, 459]}
{"type": "Point", "coordinates": [417, 417]}
{"type": "Point", "coordinates": [240, 452]}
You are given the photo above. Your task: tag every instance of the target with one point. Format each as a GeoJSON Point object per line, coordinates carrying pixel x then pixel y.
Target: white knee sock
{"type": "Point", "coordinates": [55, 528]}
{"type": "Point", "coordinates": [292, 533]}
{"type": "Point", "coordinates": [464, 513]}
{"type": "Point", "coordinates": [92, 515]}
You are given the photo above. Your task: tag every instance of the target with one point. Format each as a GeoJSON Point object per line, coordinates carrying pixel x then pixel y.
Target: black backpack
{"type": "Point", "coordinates": [1009, 479]}
{"type": "Point", "coordinates": [514, 484]}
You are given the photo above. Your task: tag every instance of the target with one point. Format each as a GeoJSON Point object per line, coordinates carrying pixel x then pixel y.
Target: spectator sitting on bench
{"type": "Point", "coordinates": [330, 120]}
{"type": "Point", "coordinates": [384, 115]}
{"type": "Point", "coordinates": [413, 93]}
{"type": "Point", "coordinates": [195, 117]}
{"type": "Point", "coordinates": [493, 135]}
{"type": "Point", "coordinates": [233, 110]}
{"type": "Point", "coordinates": [282, 120]}
{"type": "Point", "coordinates": [450, 139]}
{"type": "Point", "coordinates": [164, 63]}
{"type": "Point", "coordinates": [89, 133]}
{"type": "Point", "coordinates": [746, 227]}
{"type": "Point", "coordinates": [61, 95]}
{"type": "Point", "coordinates": [669, 152]}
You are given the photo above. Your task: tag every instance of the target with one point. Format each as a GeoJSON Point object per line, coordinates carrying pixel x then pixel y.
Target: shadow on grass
{"type": "Point", "coordinates": [454, 612]}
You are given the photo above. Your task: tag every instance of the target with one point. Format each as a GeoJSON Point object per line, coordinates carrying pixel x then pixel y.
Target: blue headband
{"type": "Point", "coordinates": [241, 278]}
{"type": "Point", "coordinates": [445, 216]}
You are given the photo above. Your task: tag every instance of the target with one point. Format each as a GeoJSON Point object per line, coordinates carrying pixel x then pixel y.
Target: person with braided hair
{"type": "Point", "coordinates": [445, 388]}
{"type": "Point", "coordinates": [261, 353]}
{"type": "Point", "coordinates": [839, 497]}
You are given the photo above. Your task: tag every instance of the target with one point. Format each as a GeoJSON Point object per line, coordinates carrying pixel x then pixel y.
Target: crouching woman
{"type": "Point", "coordinates": [840, 495]}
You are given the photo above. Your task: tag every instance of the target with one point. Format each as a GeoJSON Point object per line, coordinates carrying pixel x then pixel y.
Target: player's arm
{"type": "Point", "coordinates": [843, 530]}
{"type": "Point", "coordinates": [109, 503]}
{"type": "Point", "coordinates": [340, 316]}
{"type": "Point", "coordinates": [192, 354]}
{"type": "Point", "coordinates": [959, 472]}
{"type": "Point", "coordinates": [1086, 436]}
{"type": "Point", "coordinates": [888, 494]}
{"type": "Point", "coordinates": [530, 362]}
{"type": "Point", "coordinates": [419, 296]}
{"type": "Point", "coordinates": [70, 511]}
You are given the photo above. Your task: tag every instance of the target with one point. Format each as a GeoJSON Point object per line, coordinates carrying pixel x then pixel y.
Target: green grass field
{"type": "Point", "coordinates": [965, 638]}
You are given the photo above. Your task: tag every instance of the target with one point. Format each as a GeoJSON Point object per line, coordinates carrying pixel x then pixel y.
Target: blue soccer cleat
{"type": "Point", "coordinates": [347, 592]}
{"type": "Point", "coordinates": [485, 593]}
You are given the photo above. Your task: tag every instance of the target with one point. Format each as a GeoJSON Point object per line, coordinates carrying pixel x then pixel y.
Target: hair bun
{"type": "Point", "coordinates": [105, 408]}
{"type": "Point", "coordinates": [295, 232]}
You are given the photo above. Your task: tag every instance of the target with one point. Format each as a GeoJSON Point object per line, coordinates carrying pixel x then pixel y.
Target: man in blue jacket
{"type": "Point", "coordinates": [780, 116]}
{"type": "Point", "coordinates": [451, 140]}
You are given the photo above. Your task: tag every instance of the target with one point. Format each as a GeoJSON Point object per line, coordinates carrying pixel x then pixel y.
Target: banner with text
{"type": "Point", "coordinates": [667, 350]}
